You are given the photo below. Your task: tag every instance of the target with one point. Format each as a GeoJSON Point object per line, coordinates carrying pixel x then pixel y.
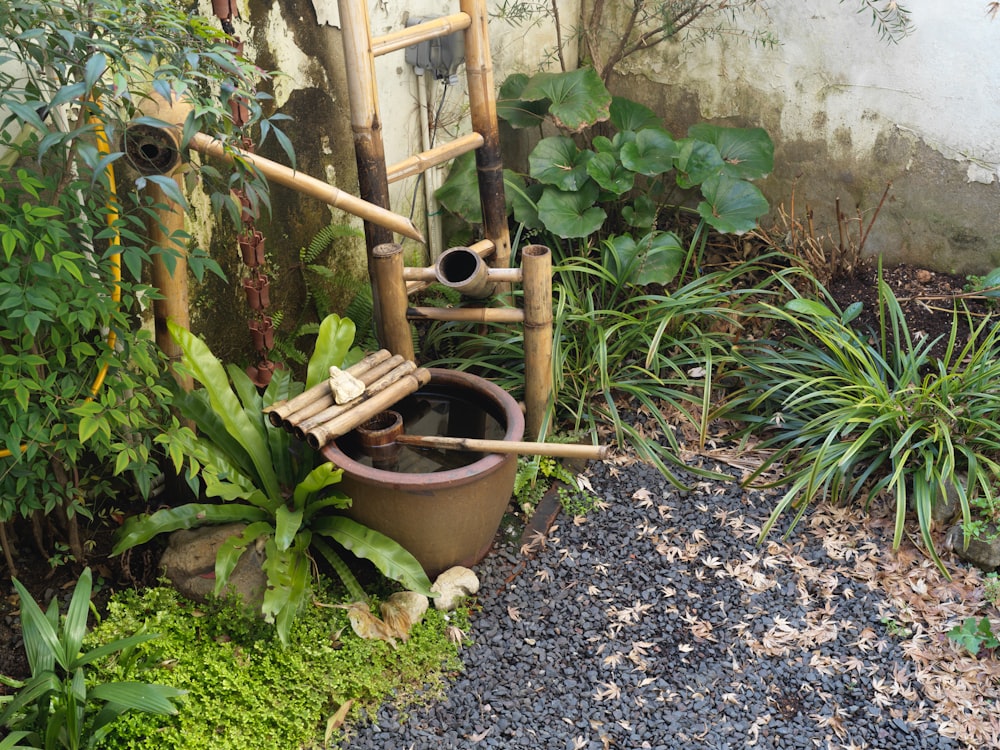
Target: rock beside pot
{"type": "Point", "coordinates": [452, 586]}
{"type": "Point", "coordinates": [189, 564]}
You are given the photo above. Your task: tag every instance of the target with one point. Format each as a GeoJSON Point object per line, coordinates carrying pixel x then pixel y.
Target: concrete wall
{"type": "Point", "coordinates": [850, 113]}
{"type": "Point", "coordinates": [302, 39]}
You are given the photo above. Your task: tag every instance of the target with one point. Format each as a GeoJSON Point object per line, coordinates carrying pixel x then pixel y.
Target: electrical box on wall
{"type": "Point", "coordinates": [440, 57]}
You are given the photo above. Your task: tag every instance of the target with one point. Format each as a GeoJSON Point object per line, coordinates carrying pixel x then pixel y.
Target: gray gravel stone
{"type": "Point", "coordinates": [622, 642]}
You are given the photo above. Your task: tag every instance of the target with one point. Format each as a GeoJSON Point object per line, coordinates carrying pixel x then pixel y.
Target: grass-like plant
{"type": "Point", "coordinates": [626, 351]}
{"type": "Point", "coordinates": [846, 416]}
{"type": "Point", "coordinates": [61, 706]}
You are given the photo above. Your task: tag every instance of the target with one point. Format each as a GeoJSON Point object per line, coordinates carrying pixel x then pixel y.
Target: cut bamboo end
{"type": "Point", "coordinates": [334, 411]}
{"type": "Point", "coordinates": [280, 411]}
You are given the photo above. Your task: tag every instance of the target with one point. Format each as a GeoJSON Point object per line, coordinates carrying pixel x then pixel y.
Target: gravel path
{"type": "Point", "coordinates": [659, 622]}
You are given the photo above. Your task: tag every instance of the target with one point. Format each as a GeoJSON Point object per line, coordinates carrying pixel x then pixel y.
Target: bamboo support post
{"type": "Point", "coordinates": [317, 419]}
{"type": "Point", "coordinates": [537, 263]}
{"type": "Point", "coordinates": [387, 279]}
{"type": "Point", "coordinates": [522, 448]}
{"type": "Point", "coordinates": [366, 127]}
{"type": "Point", "coordinates": [173, 303]}
{"type": "Point", "coordinates": [311, 187]}
{"type": "Point", "coordinates": [467, 314]}
{"type": "Point", "coordinates": [156, 151]}
{"type": "Point", "coordinates": [320, 436]}
{"type": "Point", "coordinates": [278, 411]}
{"type": "Point", "coordinates": [483, 111]}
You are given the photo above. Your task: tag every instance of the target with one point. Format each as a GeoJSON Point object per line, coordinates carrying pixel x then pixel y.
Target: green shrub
{"type": "Point", "coordinates": [845, 418]}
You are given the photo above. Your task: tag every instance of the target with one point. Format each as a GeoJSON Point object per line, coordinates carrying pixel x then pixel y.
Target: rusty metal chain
{"type": "Point", "coordinates": [256, 284]}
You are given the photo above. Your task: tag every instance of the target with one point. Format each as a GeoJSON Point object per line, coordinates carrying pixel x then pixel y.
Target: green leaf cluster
{"type": "Point", "coordinates": [974, 634]}
{"type": "Point", "coordinates": [62, 706]}
{"type": "Point", "coordinates": [78, 412]}
{"type": "Point", "coordinates": [850, 414]}
{"type": "Point", "coordinates": [586, 183]}
{"type": "Point", "coordinates": [260, 477]}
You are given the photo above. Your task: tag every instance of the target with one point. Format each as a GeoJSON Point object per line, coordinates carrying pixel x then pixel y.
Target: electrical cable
{"type": "Point", "coordinates": [430, 144]}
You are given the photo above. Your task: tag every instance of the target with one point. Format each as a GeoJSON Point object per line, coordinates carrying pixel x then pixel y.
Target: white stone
{"type": "Point", "coordinates": [345, 387]}
{"type": "Point", "coordinates": [452, 586]}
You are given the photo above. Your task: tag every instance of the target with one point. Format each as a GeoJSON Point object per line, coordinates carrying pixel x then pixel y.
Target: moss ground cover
{"type": "Point", "coordinates": [247, 692]}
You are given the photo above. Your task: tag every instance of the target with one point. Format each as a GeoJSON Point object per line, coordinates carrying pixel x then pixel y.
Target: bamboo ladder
{"type": "Point", "coordinates": [391, 280]}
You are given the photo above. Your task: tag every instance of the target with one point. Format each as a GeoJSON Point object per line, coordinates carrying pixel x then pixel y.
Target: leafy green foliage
{"type": "Point", "coordinates": [974, 634]}
{"type": "Point", "coordinates": [621, 180]}
{"type": "Point", "coordinates": [849, 415]}
{"type": "Point", "coordinates": [247, 692]}
{"type": "Point", "coordinates": [72, 76]}
{"type": "Point", "coordinates": [61, 707]}
{"type": "Point", "coordinates": [537, 473]}
{"type": "Point", "coordinates": [260, 477]}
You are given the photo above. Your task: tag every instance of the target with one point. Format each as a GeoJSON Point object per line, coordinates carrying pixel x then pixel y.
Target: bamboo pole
{"type": "Point", "coordinates": [172, 284]}
{"type": "Point", "coordinates": [555, 450]}
{"type": "Point", "coordinates": [279, 410]}
{"type": "Point", "coordinates": [387, 276]}
{"type": "Point", "coordinates": [346, 422]}
{"type": "Point", "coordinates": [537, 263]}
{"type": "Point", "coordinates": [467, 314]}
{"type": "Point", "coordinates": [419, 163]}
{"type": "Point", "coordinates": [291, 423]}
{"type": "Point", "coordinates": [420, 32]}
{"type": "Point", "coordinates": [366, 127]}
{"type": "Point", "coordinates": [429, 273]}
{"type": "Point", "coordinates": [483, 110]}
{"type": "Point", "coordinates": [370, 211]}
{"type": "Point", "coordinates": [300, 429]}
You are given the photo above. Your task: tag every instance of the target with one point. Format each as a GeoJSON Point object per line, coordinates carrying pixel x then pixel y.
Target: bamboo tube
{"type": "Point", "coordinates": [483, 111]}
{"type": "Point", "coordinates": [555, 450]}
{"type": "Point", "coordinates": [463, 270]}
{"type": "Point", "coordinates": [387, 277]}
{"type": "Point", "coordinates": [419, 163]}
{"type": "Point", "coordinates": [484, 248]}
{"type": "Point", "coordinates": [537, 264]}
{"type": "Point", "coordinates": [420, 32]}
{"type": "Point", "coordinates": [292, 421]}
{"type": "Point", "coordinates": [429, 273]}
{"type": "Point", "coordinates": [301, 429]}
{"type": "Point", "coordinates": [310, 186]}
{"type": "Point", "coordinates": [173, 302]}
{"type": "Point", "coordinates": [366, 127]}
{"type": "Point", "coordinates": [281, 409]}
{"type": "Point", "coordinates": [467, 314]}
{"type": "Point", "coordinates": [346, 422]}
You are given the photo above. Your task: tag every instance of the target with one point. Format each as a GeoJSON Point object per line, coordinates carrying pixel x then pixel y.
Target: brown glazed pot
{"type": "Point", "coordinates": [443, 518]}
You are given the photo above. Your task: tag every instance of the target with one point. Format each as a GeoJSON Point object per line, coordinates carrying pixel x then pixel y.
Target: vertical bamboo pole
{"type": "Point", "coordinates": [173, 287]}
{"type": "Point", "coordinates": [537, 264]}
{"type": "Point", "coordinates": [366, 126]}
{"type": "Point", "coordinates": [483, 109]}
{"type": "Point", "coordinates": [387, 267]}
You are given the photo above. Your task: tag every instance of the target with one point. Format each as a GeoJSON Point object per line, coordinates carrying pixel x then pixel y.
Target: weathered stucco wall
{"type": "Point", "coordinates": [850, 113]}
{"type": "Point", "coordinates": [302, 39]}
